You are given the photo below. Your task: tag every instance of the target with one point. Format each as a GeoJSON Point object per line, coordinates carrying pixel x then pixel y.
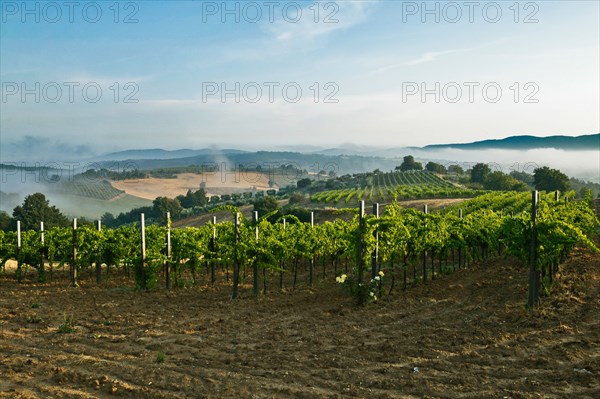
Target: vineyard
{"type": "Point", "coordinates": [387, 187]}
{"type": "Point", "coordinates": [459, 329]}
{"type": "Point", "coordinates": [85, 187]}
{"type": "Point", "coordinates": [406, 245]}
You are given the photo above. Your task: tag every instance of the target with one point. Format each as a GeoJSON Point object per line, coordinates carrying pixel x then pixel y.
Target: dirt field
{"type": "Point", "coordinates": [216, 184]}
{"type": "Point", "coordinates": [464, 335]}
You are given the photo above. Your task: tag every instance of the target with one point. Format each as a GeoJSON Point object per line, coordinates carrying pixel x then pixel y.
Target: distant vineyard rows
{"type": "Point", "coordinates": [396, 185]}
{"type": "Point", "coordinates": [97, 189]}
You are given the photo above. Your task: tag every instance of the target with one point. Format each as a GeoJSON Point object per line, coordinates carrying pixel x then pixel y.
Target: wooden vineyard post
{"type": "Point", "coordinates": [99, 260]}
{"type": "Point", "coordinates": [361, 223]}
{"type": "Point", "coordinates": [375, 254]}
{"type": "Point", "coordinates": [142, 265]}
{"type": "Point", "coordinates": [213, 250]}
{"type": "Point", "coordinates": [168, 254]}
{"type": "Point", "coordinates": [73, 268]}
{"type": "Point", "coordinates": [557, 196]}
{"type": "Point", "coordinates": [255, 264]}
{"type": "Point", "coordinates": [236, 263]}
{"type": "Point", "coordinates": [534, 276]}
{"type": "Point", "coordinates": [42, 269]}
{"type": "Point", "coordinates": [19, 276]}
{"type": "Point", "coordinates": [312, 258]}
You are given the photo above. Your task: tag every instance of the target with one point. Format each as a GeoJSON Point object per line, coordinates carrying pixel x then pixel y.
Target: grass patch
{"type": "Point", "coordinates": [67, 326]}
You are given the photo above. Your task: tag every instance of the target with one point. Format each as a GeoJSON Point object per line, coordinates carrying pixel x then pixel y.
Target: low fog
{"type": "Point", "coordinates": [584, 165]}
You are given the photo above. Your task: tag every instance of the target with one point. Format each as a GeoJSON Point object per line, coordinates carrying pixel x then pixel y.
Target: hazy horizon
{"type": "Point", "coordinates": [582, 164]}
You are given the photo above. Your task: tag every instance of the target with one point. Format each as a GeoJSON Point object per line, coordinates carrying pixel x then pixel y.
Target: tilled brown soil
{"type": "Point", "coordinates": [464, 335]}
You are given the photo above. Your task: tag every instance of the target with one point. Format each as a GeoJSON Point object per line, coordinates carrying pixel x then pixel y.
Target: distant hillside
{"type": "Point", "coordinates": [158, 153]}
{"type": "Point", "coordinates": [578, 143]}
{"type": "Point", "coordinates": [341, 164]}
{"type": "Point", "coordinates": [153, 158]}
{"type": "Point", "coordinates": [80, 186]}
{"type": "Point", "coordinates": [519, 143]}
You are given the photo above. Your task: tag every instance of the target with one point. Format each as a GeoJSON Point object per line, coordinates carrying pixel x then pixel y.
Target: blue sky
{"type": "Point", "coordinates": [367, 65]}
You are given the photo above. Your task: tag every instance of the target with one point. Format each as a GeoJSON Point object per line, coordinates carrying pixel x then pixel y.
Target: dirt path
{"type": "Point", "coordinates": [465, 335]}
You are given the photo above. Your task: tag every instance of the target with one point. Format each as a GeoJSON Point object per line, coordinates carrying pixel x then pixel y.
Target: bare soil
{"type": "Point", "coordinates": [463, 335]}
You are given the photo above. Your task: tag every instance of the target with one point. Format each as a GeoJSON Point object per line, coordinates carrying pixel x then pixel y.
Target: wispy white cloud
{"type": "Point", "coordinates": [331, 17]}
{"type": "Point", "coordinates": [428, 57]}
{"type": "Point", "coordinates": [424, 58]}
{"type": "Point", "coordinates": [281, 37]}
{"type": "Point", "coordinates": [432, 56]}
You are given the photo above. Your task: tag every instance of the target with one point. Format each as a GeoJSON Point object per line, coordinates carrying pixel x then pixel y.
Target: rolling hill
{"type": "Point", "coordinates": [567, 143]}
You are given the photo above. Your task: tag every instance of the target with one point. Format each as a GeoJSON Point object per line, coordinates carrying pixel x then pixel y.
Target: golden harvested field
{"type": "Point", "coordinates": [216, 184]}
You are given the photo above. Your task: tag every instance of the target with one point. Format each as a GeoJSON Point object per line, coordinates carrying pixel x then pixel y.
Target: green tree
{"type": "Point", "coordinates": [588, 197]}
{"type": "Point", "coordinates": [479, 173]}
{"type": "Point", "coordinates": [435, 168]}
{"type": "Point", "coordinates": [108, 219]}
{"type": "Point", "coordinates": [546, 179]}
{"type": "Point", "coordinates": [522, 176]}
{"type": "Point", "coordinates": [409, 163]}
{"type": "Point", "coordinates": [266, 205]}
{"type": "Point", "coordinates": [162, 205]}
{"type": "Point", "coordinates": [332, 184]}
{"type": "Point", "coordinates": [303, 183]}
{"type": "Point", "coordinates": [192, 199]}
{"type": "Point", "coordinates": [580, 186]}
{"type": "Point", "coordinates": [35, 209]}
{"type": "Point", "coordinates": [5, 221]}
{"type": "Point", "coordinates": [296, 198]}
{"type": "Point", "coordinates": [499, 181]}
{"type": "Point", "coordinates": [200, 198]}
{"type": "Point", "coordinates": [455, 169]}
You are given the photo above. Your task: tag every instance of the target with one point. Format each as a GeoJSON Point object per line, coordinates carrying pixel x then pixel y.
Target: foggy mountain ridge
{"type": "Point", "coordinates": [313, 162]}
{"type": "Point", "coordinates": [524, 142]}
{"type": "Point", "coordinates": [521, 143]}
{"type": "Point", "coordinates": [347, 158]}
{"type": "Point", "coordinates": [568, 143]}
{"type": "Point", "coordinates": [159, 153]}
{"type": "Point", "coordinates": [575, 155]}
